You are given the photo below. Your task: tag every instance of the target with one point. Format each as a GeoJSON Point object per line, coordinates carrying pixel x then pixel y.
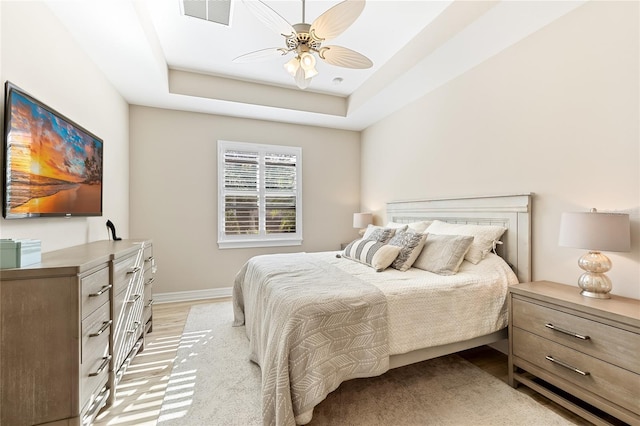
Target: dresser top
{"type": "Point", "coordinates": [76, 259]}
{"type": "Point", "coordinates": [618, 308]}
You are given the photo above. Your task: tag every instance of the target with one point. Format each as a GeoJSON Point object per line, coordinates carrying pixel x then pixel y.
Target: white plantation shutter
{"type": "Point", "coordinates": [259, 200]}
{"type": "Point", "coordinates": [241, 194]}
{"type": "Point", "coordinates": [280, 193]}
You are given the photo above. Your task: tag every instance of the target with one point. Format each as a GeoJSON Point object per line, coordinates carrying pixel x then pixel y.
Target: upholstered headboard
{"type": "Point", "coordinates": [511, 211]}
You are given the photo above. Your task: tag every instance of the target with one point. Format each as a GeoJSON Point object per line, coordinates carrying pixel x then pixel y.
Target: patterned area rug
{"type": "Point", "coordinates": [214, 383]}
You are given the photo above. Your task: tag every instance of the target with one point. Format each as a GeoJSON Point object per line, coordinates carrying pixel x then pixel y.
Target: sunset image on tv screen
{"type": "Point", "coordinates": [53, 166]}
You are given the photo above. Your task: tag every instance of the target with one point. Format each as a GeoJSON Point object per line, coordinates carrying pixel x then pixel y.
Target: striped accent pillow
{"type": "Point", "coordinates": [372, 253]}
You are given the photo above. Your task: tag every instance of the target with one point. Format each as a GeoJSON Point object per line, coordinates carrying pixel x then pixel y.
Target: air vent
{"type": "Point", "coordinates": [210, 10]}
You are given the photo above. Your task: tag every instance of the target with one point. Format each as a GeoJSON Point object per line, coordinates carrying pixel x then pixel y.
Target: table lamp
{"type": "Point", "coordinates": [595, 232]}
{"type": "Point", "coordinates": [361, 221]}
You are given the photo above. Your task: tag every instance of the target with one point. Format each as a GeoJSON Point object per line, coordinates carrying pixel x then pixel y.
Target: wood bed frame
{"type": "Point", "coordinates": [511, 211]}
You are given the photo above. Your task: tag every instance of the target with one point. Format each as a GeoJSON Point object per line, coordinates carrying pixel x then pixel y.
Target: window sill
{"type": "Point", "coordinates": [258, 243]}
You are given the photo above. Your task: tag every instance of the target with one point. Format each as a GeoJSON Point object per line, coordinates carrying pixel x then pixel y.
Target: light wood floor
{"type": "Point", "coordinates": [140, 394]}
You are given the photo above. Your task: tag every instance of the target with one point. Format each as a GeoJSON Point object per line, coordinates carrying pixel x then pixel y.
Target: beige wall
{"type": "Point", "coordinates": [39, 55]}
{"type": "Point", "coordinates": [557, 109]}
{"type": "Point", "coordinates": [174, 192]}
{"type": "Point", "coordinates": [556, 114]}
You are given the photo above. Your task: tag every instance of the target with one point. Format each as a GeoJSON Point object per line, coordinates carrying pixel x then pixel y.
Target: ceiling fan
{"type": "Point", "coordinates": [305, 39]}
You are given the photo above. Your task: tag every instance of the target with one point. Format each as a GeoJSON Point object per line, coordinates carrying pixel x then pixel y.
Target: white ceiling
{"type": "Point", "coordinates": [156, 56]}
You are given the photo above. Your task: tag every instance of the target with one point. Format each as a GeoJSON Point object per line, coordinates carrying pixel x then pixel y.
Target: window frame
{"type": "Point", "coordinates": [262, 239]}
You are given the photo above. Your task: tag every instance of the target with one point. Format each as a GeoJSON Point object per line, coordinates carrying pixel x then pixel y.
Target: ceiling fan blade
{"type": "Point", "coordinates": [270, 17]}
{"type": "Point", "coordinates": [337, 19]}
{"type": "Point", "coordinates": [343, 57]}
{"type": "Point", "coordinates": [261, 55]}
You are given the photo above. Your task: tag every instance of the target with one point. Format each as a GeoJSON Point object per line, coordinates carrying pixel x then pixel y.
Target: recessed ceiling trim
{"type": "Point", "coordinates": [227, 89]}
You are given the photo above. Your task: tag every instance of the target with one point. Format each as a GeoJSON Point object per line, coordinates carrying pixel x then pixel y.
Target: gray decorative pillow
{"type": "Point", "coordinates": [379, 233]}
{"type": "Point", "coordinates": [371, 253]}
{"type": "Point", "coordinates": [411, 244]}
{"type": "Point", "coordinates": [443, 254]}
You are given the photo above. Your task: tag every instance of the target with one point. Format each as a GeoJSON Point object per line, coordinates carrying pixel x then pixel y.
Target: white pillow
{"type": "Point", "coordinates": [371, 253]}
{"type": "Point", "coordinates": [484, 237]}
{"type": "Point", "coordinates": [413, 226]}
{"type": "Point", "coordinates": [396, 225]}
{"type": "Point", "coordinates": [443, 254]}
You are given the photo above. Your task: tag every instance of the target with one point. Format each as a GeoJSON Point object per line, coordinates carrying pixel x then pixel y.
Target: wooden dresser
{"type": "Point", "coordinates": [69, 327]}
{"type": "Point", "coordinates": [580, 352]}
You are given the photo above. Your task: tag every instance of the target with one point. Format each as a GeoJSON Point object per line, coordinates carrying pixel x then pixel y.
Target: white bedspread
{"type": "Point", "coordinates": [310, 326]}
{"type": "Point", "coordinates": [426, 309]}
{"type": "Point", "coordinates": [292, 336]}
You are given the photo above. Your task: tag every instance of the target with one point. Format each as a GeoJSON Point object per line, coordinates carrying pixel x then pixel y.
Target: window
{"type": "Point", "coordinates": [259, 195]}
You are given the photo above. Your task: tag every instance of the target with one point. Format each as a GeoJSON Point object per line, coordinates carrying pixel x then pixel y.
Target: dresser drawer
{"type": "Point", "coordinates": [94, 369]}
{"type": "Point", "coordinates": [125, 270]}
{"type": "Point", "coordinates": [95, 290]}
{"type": "Point", "coordinates": [611, 344]}
{"type": "Point", "coordinates": [602, 379]}
{"type": "Point", "coordinates": [94, 380]}
{"type": "Point", "coordinates": [148, 256]}
{"type": "Point", "coordinates": [148, 301]}
{"type": "Point", "coordinates": [129, 327]}
{"type": "Point", "coordinates": [95, 328]}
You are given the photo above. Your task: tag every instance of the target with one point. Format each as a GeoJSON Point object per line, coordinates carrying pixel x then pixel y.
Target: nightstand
{"type": "Point", "coordinates": [576, 350]}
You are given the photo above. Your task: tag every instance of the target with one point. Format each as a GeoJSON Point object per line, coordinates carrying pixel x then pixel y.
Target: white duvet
{"type": "Point", "coordinates": [426, 309]}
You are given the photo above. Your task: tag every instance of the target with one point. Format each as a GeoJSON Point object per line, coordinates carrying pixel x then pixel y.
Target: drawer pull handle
{"type": "Point", "coordinates": [136, 297]}
{"type": "Point", "coordinates": [150, 281]}
{"type": "Point", "coordinates": [105, 362]}
{"type": "Point", "coordinates": [136, 325]}
{"type": "Point", "coordinates": [570, 333]}
{"type": "Point", "coordinates": [133, 270]}
{"type": "Point", "coordinates": [565, 365]}
{"type": "Point", "coordinates": [105, 326]}
{"type": "Point", "coordinates": [101, 292]}
{"type": "Point", "coordinates": [150, 303]}
{"type": "Point", "coordinates": [149, 259]}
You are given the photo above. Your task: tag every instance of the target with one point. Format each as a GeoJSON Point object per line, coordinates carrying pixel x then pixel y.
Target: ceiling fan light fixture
{"type": "Point", "coordinates": [308, 63]}
{"type": "Point", "coordinates": [301, 81]}
{"type": "Point", "coordinates": [310, 73]}
{"type": "Point", "coordinates": [303, 39]}
{"type": "Point", "coordinates": [292, 66]}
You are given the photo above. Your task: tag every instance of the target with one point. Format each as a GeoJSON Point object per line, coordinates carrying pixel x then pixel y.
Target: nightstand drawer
{"type": "Point", "coordinates": [598, 377]}
{"type": "Point", "coordinates": [610, 344]}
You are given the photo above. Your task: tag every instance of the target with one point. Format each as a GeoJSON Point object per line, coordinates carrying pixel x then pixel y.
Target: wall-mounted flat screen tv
{"type": "Point", "coordinates": [52, 166]}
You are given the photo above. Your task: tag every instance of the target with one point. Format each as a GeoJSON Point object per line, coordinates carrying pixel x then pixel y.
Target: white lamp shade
{"type": "Point", "coordinates": [362, 220]}
{"type": "Point", "coordinates": [595, 231]}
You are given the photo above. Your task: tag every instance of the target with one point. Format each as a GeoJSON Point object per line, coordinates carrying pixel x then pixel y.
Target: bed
{"type": "Point", "coordinates": [315, 320]}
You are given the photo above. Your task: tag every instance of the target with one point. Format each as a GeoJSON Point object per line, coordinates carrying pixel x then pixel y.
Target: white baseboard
{"type": "Point", "coordinates": [185, 296]}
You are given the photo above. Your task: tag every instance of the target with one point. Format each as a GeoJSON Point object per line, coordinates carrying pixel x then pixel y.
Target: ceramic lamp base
{"type": "Point", "coordinates": [594, 282]}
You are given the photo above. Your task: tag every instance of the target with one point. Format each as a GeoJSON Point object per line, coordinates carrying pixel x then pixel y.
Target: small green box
{"type": "Point", "coordinates": [19, 253]}
{"type": "Point", "coordinates": [9, 254]}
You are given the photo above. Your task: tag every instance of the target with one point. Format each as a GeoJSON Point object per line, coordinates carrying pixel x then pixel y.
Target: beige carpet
{"type": "Point", "coordinates": [214, 383]}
